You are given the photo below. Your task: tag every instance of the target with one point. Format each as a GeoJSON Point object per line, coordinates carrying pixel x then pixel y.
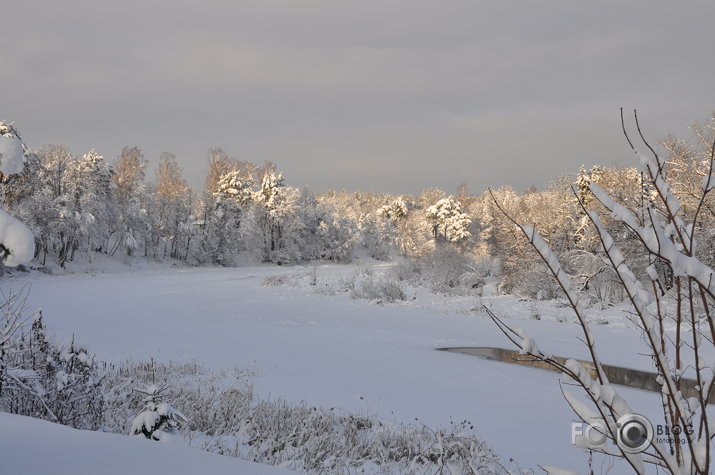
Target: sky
{"type": "Point", "coordinates": [389, 96]}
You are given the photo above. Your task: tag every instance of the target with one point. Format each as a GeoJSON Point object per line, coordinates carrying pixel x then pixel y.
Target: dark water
{"type": "Point", "coordinates": [632, 378]}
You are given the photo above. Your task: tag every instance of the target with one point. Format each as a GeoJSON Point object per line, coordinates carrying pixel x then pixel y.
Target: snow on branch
{"type": "Point", "coordinates": [654, 238]}
{"type": "Point", "coordinates": [17, 243]}
{"type": "Point", "coordinates": [12, 154]}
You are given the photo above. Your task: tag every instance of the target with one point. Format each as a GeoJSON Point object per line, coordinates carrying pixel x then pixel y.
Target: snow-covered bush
{"type": "Point", "coordinates": [158, 420]}
{"type": "Point", "coordinates": [71, 380]}
{"type": "Point", "coordinates": [43, 379]}
{"type": "Point", "coordinates": [532, 281]}
{"type": "Point", "coordinates": [361, 283]}
{"type": "Point", "coordinates": [291, 279]}
{"type": "Point", "coordinates": [377, 288]}
{"type": "Point", "coordinates": [406, 270]}
{"type": "Point", "coordinates": [377, 236]}
{"type": "Point", "coordinates": [447, 270]}
{"type": "Point", "coordinates": [338, 236]}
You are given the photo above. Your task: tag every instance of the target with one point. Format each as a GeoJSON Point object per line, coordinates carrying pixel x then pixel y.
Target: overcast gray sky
{"type": "Point", "coordinates": [386, 95]}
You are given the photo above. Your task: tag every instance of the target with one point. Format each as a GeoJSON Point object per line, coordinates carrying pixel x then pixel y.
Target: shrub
{"type": "Point", "coordinates": [225, 418]}
{"type": "Point", "coordinates": [46, 380]}
{"type": "Point", "coordinates": [447, 270]}
{"type": "Point", "coordinates": [290, 279]}
{"type": "Point", "coordinates": [381, 289]}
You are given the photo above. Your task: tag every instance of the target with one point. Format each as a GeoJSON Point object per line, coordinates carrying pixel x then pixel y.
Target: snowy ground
{"type": "Point", "coordinates": [34, 447]}
{"type": "Point", "coordinates": [338, 352]}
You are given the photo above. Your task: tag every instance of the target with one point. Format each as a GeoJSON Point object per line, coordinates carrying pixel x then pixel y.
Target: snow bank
{"type": "Point", "coordinates": [67, 451]}
{"type": "Point", "coordinates": [17, 239]}
{"type": "Point", "coordinates": [12, 156]}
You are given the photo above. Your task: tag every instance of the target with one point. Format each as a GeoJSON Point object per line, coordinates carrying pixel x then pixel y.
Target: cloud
{"type": "Point", "coordinates": [392, 96]}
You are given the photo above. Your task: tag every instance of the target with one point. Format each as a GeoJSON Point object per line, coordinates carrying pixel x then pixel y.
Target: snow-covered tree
{"type": "Point", "coordinates": [62, 221]}
{"type": "Point", "coordinates": [219, 164]}
{"type": "Point", "coordinates": [449, 223]}
{"type": "Point", "coordinates": [224, 212]}
{"type": "Point", "coordinates": [337, 236]}
{"type": "Point", "coordinates": [88, 204]}
{"type": "Point", "coordinates": [381, 229]}
{"type": "Point", "coordinates": [237, 186]}
{"type": "Point", "coordinates": [67, 201]}
{"type": "Point", "coordinates": [158, 420]}
{"type": "Point", "coordinates": [131, 227]}
{"type": "Point", "coordinates": [378, 236]}
{"type": "Point", "coordinates": [271, 215]}
{"type": "Point", "coordinates": [394, 211]}
{"type": "Point", "coordinates": [173, 199]}
{"type": "Point", "coordinates": [94, 193]}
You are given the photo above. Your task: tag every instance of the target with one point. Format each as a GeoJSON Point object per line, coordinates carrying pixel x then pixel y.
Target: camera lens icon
{"type": "Point", "coordinates": [635, 433]}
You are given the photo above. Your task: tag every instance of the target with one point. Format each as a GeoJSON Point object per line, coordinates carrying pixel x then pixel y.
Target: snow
{"type": "Point", "coordinates": [12, 156]}
{"type": "Point", "coordinates": [325, 350]}
{"type": "Point", "coordinates": [527, 345]}
{"type": "Point", "coordinates": [17, 240]}
{"type": "Point", "coordinates": [146, 419]}
{"type": "Point", "coordinates": [34, 447]}
{"type": "Point", "coordinates": [558, 471]}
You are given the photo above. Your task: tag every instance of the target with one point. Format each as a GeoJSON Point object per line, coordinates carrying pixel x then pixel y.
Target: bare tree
{"type": "Point", "coordinates": [170, 184]}
{"type": "Point", "coordinates": [172, 195]}
{"type": "Point", "coordinates": [219, 164]}
{"type": "Point", "coordinates": [129, 168]}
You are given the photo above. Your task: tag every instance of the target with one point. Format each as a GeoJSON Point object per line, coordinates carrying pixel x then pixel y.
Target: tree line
{"type": "Point", "coordinates": [247, 213]}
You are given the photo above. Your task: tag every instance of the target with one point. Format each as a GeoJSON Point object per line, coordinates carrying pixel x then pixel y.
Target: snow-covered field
{"type": "Point", "coordinates": [335, 351]}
